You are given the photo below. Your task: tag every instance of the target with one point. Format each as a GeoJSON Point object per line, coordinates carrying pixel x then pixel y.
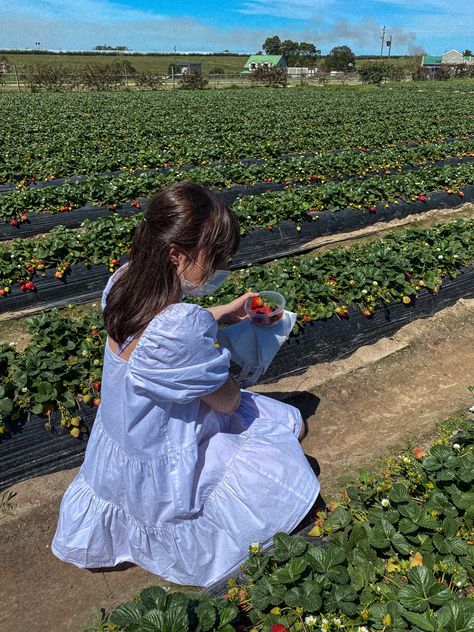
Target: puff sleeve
{"type": "Point", "coordinates": [177, 358]}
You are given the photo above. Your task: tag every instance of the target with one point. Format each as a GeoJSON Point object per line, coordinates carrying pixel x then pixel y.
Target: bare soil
{"type": "Point", "coordinates": [382, 398]}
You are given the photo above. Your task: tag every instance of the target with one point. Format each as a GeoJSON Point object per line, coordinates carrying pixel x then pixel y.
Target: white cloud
{"type": "Point", "coordinates": [296, 9]}
{"type": "Point", "coordinates": [82, 24]}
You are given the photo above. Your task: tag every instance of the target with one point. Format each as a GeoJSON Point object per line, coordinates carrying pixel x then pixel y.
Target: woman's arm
{"type": "Point", "coordinates": [226, 399]}
{"type": "Point", "coordinates": [232, 312]}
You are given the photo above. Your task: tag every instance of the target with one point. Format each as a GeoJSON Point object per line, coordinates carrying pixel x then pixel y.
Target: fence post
{"type": "Point", "coordinates": [16, 76]}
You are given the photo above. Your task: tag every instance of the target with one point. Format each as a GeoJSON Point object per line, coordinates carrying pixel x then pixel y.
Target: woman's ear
{"type": "Point", "coordinates": [175, 255]}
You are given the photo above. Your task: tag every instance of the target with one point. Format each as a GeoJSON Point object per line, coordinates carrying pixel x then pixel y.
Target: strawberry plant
{"type": "Point", "coordinates": [61, 368]}
{"type": "Point", "coordinates": [50, 136]}
{"type": "Point", "coordinates": [368, 568]}
{"type": "Point", "coordinates": [101, 190]}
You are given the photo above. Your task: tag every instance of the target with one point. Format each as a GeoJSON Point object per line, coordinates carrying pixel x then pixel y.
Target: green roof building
{"type": "Point", "coordinates": [254, 61]}
{"type": "Point", "coordinates": [452, 57]}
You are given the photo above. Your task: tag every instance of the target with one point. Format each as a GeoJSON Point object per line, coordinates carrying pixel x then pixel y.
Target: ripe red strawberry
{"type": "Point", "coordinates": [422, 197]}
{"type": "Point", "coordinates": [270, 227]}
{"type": "Point", "coordinates": [461, 193]}
{"type": "Point", "coordinates": [418, 453]}
{"type": "Point", "coordinates": [372, 209]}
{"type": "Point", "coordinates": [256, 303]}
{"type": "Point", "coordinates": [30, 286]}
{"type": "Point", "coordinates": [279, 627]}
{"type": "Point", "coordinates": [367, 313]}
{"type": "Point", "coordinates": [95, 331]}
{"type": "Point", "coordinates": [65, 208]}
{"type": "Point", "coordinates": [2, 292]}
{"type": "Point", "coordinates": [136, 204]}
{"type": "Point", "coordinates": [96, 402]}
{"type": "Point", "coordinates": [14, 222]}
{"type": "Point", "coordinates": [115, 262]}
{"type": "Point", "coordinates": [112, 207]}
{"type": "Point", "coordinates": [97, 386]}
{"type": "Point", "coordinates": [24, 218]}
{"type": "Point", "coordinates": [58, 275]}
{"type": "Point", "coordinates": [266, 309]}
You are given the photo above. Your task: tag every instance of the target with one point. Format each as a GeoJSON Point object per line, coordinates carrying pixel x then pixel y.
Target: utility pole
{"type": "Point", "coordinates": [389, 44]}
{"type": "Point", "coordinates": [383, 40]}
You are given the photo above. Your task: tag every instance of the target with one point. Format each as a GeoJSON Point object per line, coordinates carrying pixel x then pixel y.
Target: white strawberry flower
{"type": "Point", "coordinates": [255, 547]}
{"type": "Point", "coordinates": [311, 620]}
{"type": "Point", "coordinates": [456, 446]}
{"type": "Point", "coordinates": [385, 502]}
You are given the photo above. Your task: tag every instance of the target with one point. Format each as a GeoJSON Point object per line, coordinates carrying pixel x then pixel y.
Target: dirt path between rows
{"type": "Point", "coordinates": [357, 410]}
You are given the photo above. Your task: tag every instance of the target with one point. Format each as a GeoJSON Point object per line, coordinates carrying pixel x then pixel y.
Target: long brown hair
{"type": "Point", "coordinates": [185, 214]}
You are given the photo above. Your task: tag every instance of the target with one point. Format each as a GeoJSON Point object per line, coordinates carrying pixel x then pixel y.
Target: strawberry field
{"type": "Point", "coordinates": [76, 171]}
{"type": "Point", "coordinates": [354, 204]}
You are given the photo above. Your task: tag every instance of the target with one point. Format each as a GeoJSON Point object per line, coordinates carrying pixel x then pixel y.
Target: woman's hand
{"type": "Point", "coordinates": [232, 312]}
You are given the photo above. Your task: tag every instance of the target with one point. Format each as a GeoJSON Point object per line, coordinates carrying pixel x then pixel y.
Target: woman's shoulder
{"type": "Point", "coordinates": [179, 331]}
{"type": "Point", "coordinates": [183, 317]}
{"type": "Point", "coordinates": [180, 322]}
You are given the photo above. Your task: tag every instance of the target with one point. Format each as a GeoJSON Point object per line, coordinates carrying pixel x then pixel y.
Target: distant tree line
{"type": "Point", "coordinates": [97, 77]}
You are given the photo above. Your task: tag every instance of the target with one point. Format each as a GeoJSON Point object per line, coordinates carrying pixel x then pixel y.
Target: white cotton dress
{"type": "Point", "coordinates": [170, 484]}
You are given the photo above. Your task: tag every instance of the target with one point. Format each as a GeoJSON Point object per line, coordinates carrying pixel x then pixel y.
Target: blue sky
{"type": "Point", "coordinates": [237, 25]}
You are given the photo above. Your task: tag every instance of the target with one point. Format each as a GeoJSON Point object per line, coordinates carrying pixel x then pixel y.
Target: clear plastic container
{"type": "Point", "coordinates": [268, 314]}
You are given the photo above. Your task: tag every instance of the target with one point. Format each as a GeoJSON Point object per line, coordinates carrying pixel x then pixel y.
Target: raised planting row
{"type": "Point", "coordinates": [296, 203]}
{"type": "Point", "coordinates": [42, 445]}
{"type": "Point", "coordinates": [63, 363]}
{"type": "Point", "coordinates": [394, 554]}
{"type": "Point", "coordinates": [229, 173]}
{"type": "Point", "coordinates": [104, 240]}
{"type": "Point", "coordinates": [112, 192]}
{"type": "Point", "coordinates": [49, 136]}
{"type": "Point", "coordinates": [42, 222]}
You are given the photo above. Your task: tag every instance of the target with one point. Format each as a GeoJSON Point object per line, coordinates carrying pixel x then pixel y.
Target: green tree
{"type": "Point", "coordinates": [467, 52]}
{"type": "Point", "coordinates": [294, 53]}
{"type": "Point", "coordinates": [272, 45]}
{"type": "Point", "coordinates": [341, 58]}
{"type": "Point", "coordinates": [372, 72]}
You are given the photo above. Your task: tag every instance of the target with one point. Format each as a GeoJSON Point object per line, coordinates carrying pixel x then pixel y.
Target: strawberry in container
{"type": "Point", "coordinates": [265, 309]}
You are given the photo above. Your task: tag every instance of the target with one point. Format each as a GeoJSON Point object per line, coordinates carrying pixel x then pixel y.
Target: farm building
{"type": "Point", "coordinates": [451, 57]}
{"type": "Point", "coordinates": [271, 61]}
{"type": "Point", "coordinates": [187, 67]}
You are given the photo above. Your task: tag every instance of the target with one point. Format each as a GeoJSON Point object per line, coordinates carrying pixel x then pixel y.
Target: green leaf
{"type": "Point", "coordinates": [291, 571]}
{"type": "Point", "coordinates": [286, 547]}
{"type": "Point", "coordinates": [420, 620]}
{"type": "Point", "coordinates": [341, 598]}
{"type": "Point", "coordinates": [265, 593]}
{"type": "Point", "coordinates": [306, 596]}
{"type": "Point", "coordinates": [400, 543]}
{"type": "Point", "coordinates": [153, 597]}
{"type": "Point", "coordinates": [126, 614]}
{"type": "Point", "coordinates": [423, 591]}
{"type": "Point", "coordinates": [206, 614]}
{"type": "Point", "coordinates": [227, 615]}
{"type": "Point", "coordinates": [399, 493]}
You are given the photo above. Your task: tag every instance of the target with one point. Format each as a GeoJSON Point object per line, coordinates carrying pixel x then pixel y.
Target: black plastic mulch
{"type": "Point", "coordinates": [31, 450]}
